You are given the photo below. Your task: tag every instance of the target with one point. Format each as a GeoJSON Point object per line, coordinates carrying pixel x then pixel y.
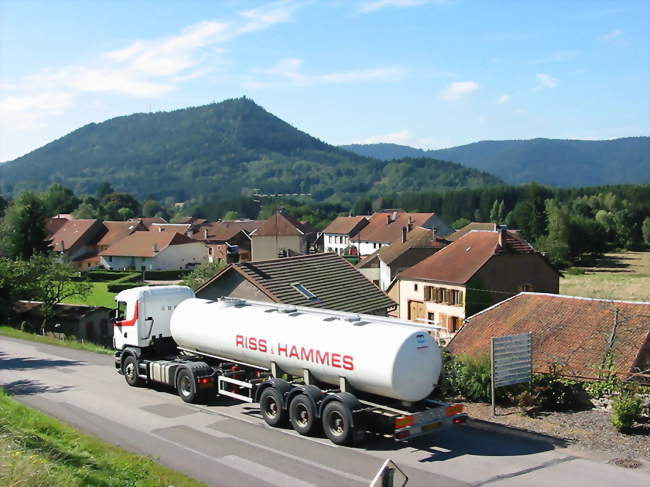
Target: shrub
{"type": "Point", "coordinates": [476, 378]}
{"type": "Point", "coordinates": [625, 410]}
{"type": "Point", "coordinates": [552, 392]}
{"type": "Point", "coordinates": [172, 275]}
{"type": "Point", "coordinates": [103, 275]}
{"type": "Point", "coordinates": [117, 287]}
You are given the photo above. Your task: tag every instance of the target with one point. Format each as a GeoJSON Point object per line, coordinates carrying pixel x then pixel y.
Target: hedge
{"type": "Point", "coordinates": [117, 287]}
{"type": "Point", "coordinates": [173, 275]}
{"type": "Point", "coordinates": [130, 277]}
{"type": "Point", "coordinates": [106, 275]}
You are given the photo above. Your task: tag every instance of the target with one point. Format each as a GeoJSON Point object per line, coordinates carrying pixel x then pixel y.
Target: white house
{"type": "Point", "coordinates": [338, 234]}
{"type": "Point", "coordinates": [158, 251]}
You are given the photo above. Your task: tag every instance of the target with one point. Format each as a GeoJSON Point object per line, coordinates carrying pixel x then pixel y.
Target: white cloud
{"type": "Point", "coordinates": [403, 137]}
{"type": "Point", "coordinates": [458, 90]}
{"type": "Point", "coordinates": [503, 99]}
{"type": "Point", "coordinates": [290, 71]}
{"type": "Point", "coordinates": [613, 35]}
{"type": "Point", "coordinates": [375, 5]}
{"type": "Point", "coordinates": [545, 81]}
{"type": "Point", "coordinates": [30, 111]}
{"type": "Point", "coordinates": [146, 68]}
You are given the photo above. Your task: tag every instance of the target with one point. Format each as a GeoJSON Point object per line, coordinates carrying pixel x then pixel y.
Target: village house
{"type": "Point", "coordinates": [154, 250]}
{"type": "Point", "coordinates": [282, 236]}
{"type": "Point", "coordinates": [477, 270]}
{"type": "Point", "coordinates": [339, 233]}
{"type": "Point", "coordinates": [388, 226]}
{"type": "Point", "coordinates": [116, 231]}
{"type": "Point", "coordinates": [487, 226]}
{"type": "Point", "coordinates": [383, 265]}
{"type": "Point", "coordinates": [579, 337]}
{"type": "Point", "coordinates": [316, 280]}
{"type": "Point", "coordinates": [77, 240]}
{"type": "Point", "coordinates": [228, 241]}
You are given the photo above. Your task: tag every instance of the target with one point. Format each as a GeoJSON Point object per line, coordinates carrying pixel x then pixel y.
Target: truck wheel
{"type": "Point", "coordinates": [186, 386]}
{"type": "Point", "coordinates": [337, 423]}
{"type": "Point", "coordinates": [302, 414]}
{"type": "Point", "coordinates": [271, 407]}
{"type": "Point", "coordinates": [130, 369]}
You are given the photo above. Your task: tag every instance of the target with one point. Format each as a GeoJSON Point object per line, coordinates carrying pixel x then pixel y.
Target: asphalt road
{"type": "Point", "coordinates": [228, 444]}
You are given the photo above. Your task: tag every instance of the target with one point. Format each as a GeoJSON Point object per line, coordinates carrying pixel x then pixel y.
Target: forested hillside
{"type": "Point", "coordinates": [566, 163]}
{"type": "Point", "coordinates": [227, 149]}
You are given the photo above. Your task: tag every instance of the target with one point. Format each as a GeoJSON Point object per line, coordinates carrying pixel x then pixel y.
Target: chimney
{"type": "Point", "coordinates": [154, 247]}
{"type": "Point", "coordinates": [393, 216]}
{"type": "Point", "coordinates": [62, 246]}
{"type": "Point", "coordinates": [404, 233]}
{"type": "Point", "coordinates": [205, 234]}
{"type": "Point", "coordinates": [410, 223]}
{"type": "Point", "coordinates": [433, 234]}
{"type": "Point", "coordinates": [160, 229]}
{"type": "Point", "coordinates": [387, 219]}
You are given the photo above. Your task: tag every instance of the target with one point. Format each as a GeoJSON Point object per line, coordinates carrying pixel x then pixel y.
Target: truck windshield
{"type": "Point", "coordinates": [120, 312]}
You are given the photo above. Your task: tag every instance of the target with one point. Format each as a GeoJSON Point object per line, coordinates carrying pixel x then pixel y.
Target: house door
{"type": "Point", "coordinates": [417, 311]}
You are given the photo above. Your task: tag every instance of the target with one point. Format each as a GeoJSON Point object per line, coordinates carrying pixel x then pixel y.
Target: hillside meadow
{"type": "Point", "coordinates": [624, 276]}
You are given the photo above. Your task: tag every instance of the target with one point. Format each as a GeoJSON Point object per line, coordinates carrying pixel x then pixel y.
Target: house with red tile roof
{"type": "Point", "coordinates": [577, 336]}
{"type": "Point", "coordinates": [227, 241]}
{"type": "Point", "coordinates": [388, 226]}
{"type": "Point", "coordinates": [281, 235]}
{"type": "Point", "coordinates": [478, 270]}
{"type": "Point", "coordinates": [77, 240]}
{"type": "Point", "coordinates": [338, 235]}
{"type": "Point", "coordinates": [382, 266]}
{"type": "Point", "coordinates": [117, 230]}
{"type": "Point", "coordinates": [164, 250]}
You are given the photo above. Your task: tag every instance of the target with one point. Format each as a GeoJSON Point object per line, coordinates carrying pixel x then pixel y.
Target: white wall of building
{"type": "Point", "coordinates": [384, 275]}
{"type": "Point", "coordinates": [170, 258]}
{"type": "Point", "coordinates": [336, 242]}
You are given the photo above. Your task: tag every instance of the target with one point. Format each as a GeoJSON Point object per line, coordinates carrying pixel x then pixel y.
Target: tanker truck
{"type": "Point", "coordinates": [316, 370]}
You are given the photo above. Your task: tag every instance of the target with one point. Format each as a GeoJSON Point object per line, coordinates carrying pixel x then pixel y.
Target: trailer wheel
{"type": "Point", "coordinates": [337, 423]}
{"type": "Point", "coordinates": [271, 407]}
{"type": "Point", "coordinates": [302, 414]}
{"type": "Point", "coordinates": [130, 369]}
{"type": "Point", "coordinates": [186, 386]}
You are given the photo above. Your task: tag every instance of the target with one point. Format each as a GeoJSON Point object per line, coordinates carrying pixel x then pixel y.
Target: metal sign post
{"type": "Point", "coordinates": [511, 357]}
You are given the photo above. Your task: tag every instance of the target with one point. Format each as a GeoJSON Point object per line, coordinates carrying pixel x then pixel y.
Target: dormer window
{"type": "Point", "coordinates": [305, 292]}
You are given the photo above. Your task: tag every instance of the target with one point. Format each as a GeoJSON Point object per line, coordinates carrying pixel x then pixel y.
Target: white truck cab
{"type": "Point", "coordinates": [143, 314]}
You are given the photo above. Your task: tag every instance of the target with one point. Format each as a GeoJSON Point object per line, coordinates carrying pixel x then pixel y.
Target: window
{"type": "Point", "coordinates": [120, 312]}
{"type": "Point", "coordinates": [110, 258]}
{"type": "Point", "coordinates": [456, 298]}
{"type": "Point", "coordinates": [453, 324]}
{"type": "Point", "coordinates": [305, 292]}
{"type": "Point", "coordinates": [415, 287]}
{"type": "Point", "coordinates": [431, 317]}
{"type": "Point", "coordinates": [429, 292]}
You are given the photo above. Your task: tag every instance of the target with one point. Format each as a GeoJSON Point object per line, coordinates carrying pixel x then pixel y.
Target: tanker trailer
{"type": "Point", "coordinates": [314, 369]}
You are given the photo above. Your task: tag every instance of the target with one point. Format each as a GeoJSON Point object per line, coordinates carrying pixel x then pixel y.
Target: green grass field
{"type": "Point", "coordinates": [624, 276]}
{"type": "Point", "coordinates": [37, 450]}
{"type": "Point", "coordinates": [99, 296]}
{"type": "Point", "coordinates": [23, 335]}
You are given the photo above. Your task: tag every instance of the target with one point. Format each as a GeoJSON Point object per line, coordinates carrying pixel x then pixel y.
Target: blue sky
{"type": "Point", "coordinates": [429, 74]}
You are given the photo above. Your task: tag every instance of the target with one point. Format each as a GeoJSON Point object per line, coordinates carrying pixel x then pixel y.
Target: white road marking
{"type": "Point", "coordinates": [263, 473]}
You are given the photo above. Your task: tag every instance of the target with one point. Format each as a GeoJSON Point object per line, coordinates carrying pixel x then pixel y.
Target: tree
{"type": "Point", "coordinates": [646, 230]}
{"type": "Point", "coordinates": [103, 190]}
{"type": "Point", "coordinates": [231, 215]}
{"type": "Point", "coordinates": [556, 243]}
{"type": "Point", "coordinates": [460, 223]}
{"type": "Point", "coordinates": [497, 213]}
{"type": "Point", "coordinates": [154, 208]}
{"type": "Point", "coordinates": [3, 206]}
{"type": "Point", "coordinates": [59, 199]}
{"type": "Point", "coordinates": [125, 213]}
{"type": "Point", "coordinates": [113, 202]}
{"type": "Point", "coordinates": [47, 279]}
{"type": "Point", "coordinates": [202, 273]}
{"type": "Point", "coordinates": [23, 227]}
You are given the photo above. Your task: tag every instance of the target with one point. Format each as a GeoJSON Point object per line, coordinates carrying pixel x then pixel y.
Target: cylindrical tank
{"type": "Point", "coordinates": [388, 359]}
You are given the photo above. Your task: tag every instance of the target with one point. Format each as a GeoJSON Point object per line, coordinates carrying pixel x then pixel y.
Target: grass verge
{"type": "Point", "coordinates": [88, 346]}
{"type": "Point", "coordinates": [37, 450]}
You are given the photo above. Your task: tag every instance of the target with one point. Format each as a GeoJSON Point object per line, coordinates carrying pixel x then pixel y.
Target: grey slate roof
{"type": "Point", "coordinates": [331, 278]}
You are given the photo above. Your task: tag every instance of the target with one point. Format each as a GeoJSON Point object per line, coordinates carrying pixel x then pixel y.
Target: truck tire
{"type": "Point", "coordinates": [302, 414]}
{"type": "Point", "coordinates": [337, 423]}
{"type": "Point", "coordinates": [186, 386]}
{"type": "Point", "coordinates": [271, 407]}
{"type": "Point", "coordinates": [130, 369]}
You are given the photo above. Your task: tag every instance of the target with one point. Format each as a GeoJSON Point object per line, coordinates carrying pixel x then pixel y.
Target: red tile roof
{"type": "Point", "coordinates": [419, 238]}
{"type": "Point", "coordinates": [73, 232]}
{"type": "Point", "coordinates": [344, 225]}
{"type": "Point", "coordinates": [571, 332]}
{"type": "Point", "coordinates": [460, 260]}
{"type": "Point", "coordinates": [225, 230]}
{"type": "Point", "coordinates": [281, 223]}
{"type": "Point", "coordinates": [115, 231]}
{"type": "Point", "coordinates": [148, 220]}
{"type": "Point", "coordinates": [142, 244]}
{"type": "Point", "coordinates": [472, 226]}
{"type": "Point", "coordinates": [387, 226]}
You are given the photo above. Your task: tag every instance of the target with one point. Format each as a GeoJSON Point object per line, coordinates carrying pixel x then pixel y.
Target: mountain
{"type": "Point", "coordinates": [566, 163]}
{"type": "Point", "coordinates": [228, 148]}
